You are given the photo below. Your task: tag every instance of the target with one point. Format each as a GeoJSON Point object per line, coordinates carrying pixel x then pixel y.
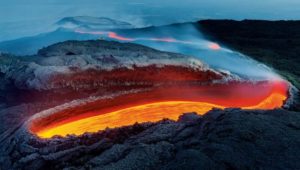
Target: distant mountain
{"type": "Point", "coordinates": [97, 23]}
{"type": "Point", "coordinates": [30, 45]}
{"type": "Point", "coordinates": [67, 28]}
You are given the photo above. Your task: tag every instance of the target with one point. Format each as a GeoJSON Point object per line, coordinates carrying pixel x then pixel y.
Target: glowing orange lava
{"type": "Point", "coordinates": [159, 104]}
{"type": "Point", "coordinates": [118, 37]}
{"type": "Point", "coordinates": [144, 113]}
{"type": "Point", "coordinates": [214, 46]}
{"type": "Point", "coordinates": [114, 35]}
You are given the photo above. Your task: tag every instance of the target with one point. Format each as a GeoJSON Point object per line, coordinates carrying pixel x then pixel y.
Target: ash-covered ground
{"type": "Point", "coordinates": [221, 139]}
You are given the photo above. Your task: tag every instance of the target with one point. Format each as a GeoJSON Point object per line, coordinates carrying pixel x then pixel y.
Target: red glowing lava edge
{"type": "Point", "coordinates": [166, 93]}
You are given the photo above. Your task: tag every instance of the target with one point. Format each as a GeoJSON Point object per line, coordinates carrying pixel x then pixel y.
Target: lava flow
{"type": "Point", "coordinates": [163, 91]}
{"type": "Point", "coordinates": [116, 36]}
{"type": "Point", "coordinates": [159, 103]}
{"type": "Point", "coordinates": [214, 46]}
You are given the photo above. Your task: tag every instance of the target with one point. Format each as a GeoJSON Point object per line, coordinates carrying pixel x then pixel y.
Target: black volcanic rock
{"type": "Point", "coordinates": [222, 139]}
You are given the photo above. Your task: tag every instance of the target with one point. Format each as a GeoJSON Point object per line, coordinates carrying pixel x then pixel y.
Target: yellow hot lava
{"type": "Point", "coordinates": [145, 113]}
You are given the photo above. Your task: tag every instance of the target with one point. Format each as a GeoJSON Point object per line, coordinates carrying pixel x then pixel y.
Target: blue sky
{"type": "Point", "coordinates": [29, 17]}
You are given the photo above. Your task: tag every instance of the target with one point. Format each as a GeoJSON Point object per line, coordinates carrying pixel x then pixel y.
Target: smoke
{"type": "Point", "coordinates": [187, 39]}
{"type": "Point", "coordinates": [19, 18]}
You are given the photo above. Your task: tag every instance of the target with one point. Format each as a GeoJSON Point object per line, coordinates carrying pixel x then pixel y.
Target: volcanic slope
{"type": "Point", "coordinates": [59, 72]}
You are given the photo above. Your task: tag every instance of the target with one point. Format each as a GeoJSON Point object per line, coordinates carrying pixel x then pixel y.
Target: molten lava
{"type": "Point", "coordinates": [114, 35]}
{"type": "Point", "coordinates": [142, 113]}
{"type": "Point", "coordinates": [157, 104]}
{"type": "Point", "coordinates": [214, 46]}
{"type": "Point", "coordinates": [118, 37]}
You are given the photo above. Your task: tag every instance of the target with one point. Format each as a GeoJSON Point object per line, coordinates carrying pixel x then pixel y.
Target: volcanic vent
{"type": "Point", "coordinates": [125, 83]}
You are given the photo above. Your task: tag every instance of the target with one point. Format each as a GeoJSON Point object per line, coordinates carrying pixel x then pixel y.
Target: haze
{"type": "Point", "coordinates": [29, 17]}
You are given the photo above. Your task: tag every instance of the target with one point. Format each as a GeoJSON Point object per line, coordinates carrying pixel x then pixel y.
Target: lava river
{"type": "Point", "coordinates": [159, 103]}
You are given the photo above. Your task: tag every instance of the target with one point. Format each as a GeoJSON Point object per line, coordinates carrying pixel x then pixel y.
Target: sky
{"type": "Point", "coordinates": [29, 17]}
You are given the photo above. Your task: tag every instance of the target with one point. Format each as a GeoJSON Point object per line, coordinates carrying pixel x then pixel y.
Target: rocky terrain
{"type": "Point", "coordinates": [230, 139]}
{"type": "Point", "coordinates": [221, 139]}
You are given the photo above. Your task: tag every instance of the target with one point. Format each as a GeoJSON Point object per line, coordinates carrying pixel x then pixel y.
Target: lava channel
{"type": "Point", "coordinates": [156, 104]}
